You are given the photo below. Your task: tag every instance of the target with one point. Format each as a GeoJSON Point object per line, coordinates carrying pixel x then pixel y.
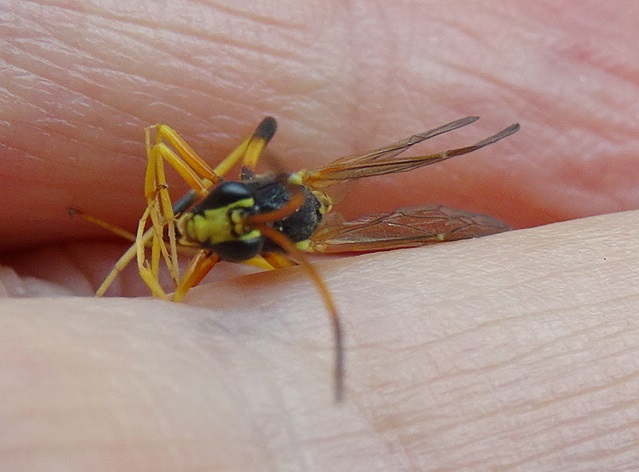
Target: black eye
{"type": "Point", "coordinates": [225, 194]}
{"type": "Point", "coordinates": [239, 250]}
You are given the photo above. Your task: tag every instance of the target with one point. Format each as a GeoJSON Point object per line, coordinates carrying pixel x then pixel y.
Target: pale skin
{"type": "Point", "coordinates": [517, 351]}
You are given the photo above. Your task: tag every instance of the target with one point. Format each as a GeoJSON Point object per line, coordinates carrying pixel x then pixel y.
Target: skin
{"type": "Point", "coordinates": [516, 351]}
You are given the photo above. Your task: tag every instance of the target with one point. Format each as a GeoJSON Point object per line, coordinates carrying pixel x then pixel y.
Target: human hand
{"type": "Point", "coordinates": [510, 350]}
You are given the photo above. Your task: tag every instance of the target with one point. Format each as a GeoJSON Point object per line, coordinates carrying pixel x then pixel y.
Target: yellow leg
{"type": "Point", "coordinates": [278, 261]}
{"type": "Point", "coordinates": [199, 266]}
{"type": "Point", "coordinates": [190, 157]}
{"type": "Point", "coordinates": [188, 164]}
{"type": "Point", "coordinates": [149, 272]}
{"type": "Point", "coordinates": [249, 152]}
{"type": "Point", "coordinates": [256, 144]}
{"type": "Point", "coordinates": [169, 146]}
{"type": "Point", "coordinates": [262, 262]}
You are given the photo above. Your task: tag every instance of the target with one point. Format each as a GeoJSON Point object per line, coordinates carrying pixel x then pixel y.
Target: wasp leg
{"type": "Point", "coordinates": [160, 210]}
{"type": "Point", "coordinates": [255, 146]}
{"type": "Point", "coordinates": [193, 169]}
{"type": "Point", "coordinates": [278, 261]}
{"type": "Point", "coordinates": [119, 266]}
{"type": "Point", "coordinates": [169, 146]}
{"type": "Point", "coordinates": [249, 152]}
{"type": "Point", "coordinates": [128, 256]}
{"type": "Point", "coordinates": [197, 269]}
{"type": "Point", "coordinates": [142, 239]}
{"type": "Point", "coordinates": [149, 272]}
{"type": "Point", "coordinates": [203, 262]}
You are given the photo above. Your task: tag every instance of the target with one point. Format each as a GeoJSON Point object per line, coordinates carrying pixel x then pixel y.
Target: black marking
{"type": "Point", "coordinates": [271, 194]}
{"type": "Point", "coordinates": [185, 202]}
{"type": "Point", "coordinates": [225, 194]}
{"type": "Point", "coordinates": [239, 250]}
{"type": "Point", "coordinates": [266, 129]}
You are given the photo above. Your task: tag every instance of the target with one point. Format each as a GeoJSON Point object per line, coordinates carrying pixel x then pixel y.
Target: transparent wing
{"type": "Point", "coordinates": [385, 161]}
{"type": "Point", "coordinates": [406, 227]}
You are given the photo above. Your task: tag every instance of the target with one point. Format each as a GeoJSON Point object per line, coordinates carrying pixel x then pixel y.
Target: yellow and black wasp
{"type": "Point", "coordinates": [270, 220]}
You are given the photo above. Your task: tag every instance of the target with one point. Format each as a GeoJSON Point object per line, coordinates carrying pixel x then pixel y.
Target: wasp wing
{"type": "Point", "coordinates": [385, 161]}
{"type": "Point", "coordinates": [406, 227]}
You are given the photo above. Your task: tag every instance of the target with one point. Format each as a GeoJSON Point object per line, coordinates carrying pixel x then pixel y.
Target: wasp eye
{"type": "Point", "coordinates": [224, 195]}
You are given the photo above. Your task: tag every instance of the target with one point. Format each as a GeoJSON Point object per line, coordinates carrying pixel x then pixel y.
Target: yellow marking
{"type": "Point", "coordinates": [303, 245]}
{"type": "Point", "coordinates": [326, 203]}
{"type": "Point", "coordinates": [278, 260]}
{"type": "Point", "coordinates": [260, 262]}
{"type": "Point", "coordinates": [212, 227]}
{"type": "Point", "coordinates": [296, 178]}
{"type": "Point", "coordinates": [217, 225]}
{"type": "Point", "coordinates": [254, 234]}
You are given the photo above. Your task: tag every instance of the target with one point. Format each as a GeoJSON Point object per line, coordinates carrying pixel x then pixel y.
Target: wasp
{"type": "Point", "coordinates": [272, 220]}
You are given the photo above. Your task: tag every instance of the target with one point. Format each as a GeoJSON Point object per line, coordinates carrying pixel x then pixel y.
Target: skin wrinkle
{"type": "Point", "coordinates": [549, 429]}
{"type": "Point", "coordinates": [205, 36]}
{"type": "Point", "coordinates": [525, 409]}
{"type": "Point", "coordinates": [290, 443]}
{"type": "Point", "coordinates": [533, 458]}
{"type": "Point", "coordinates": [420, 405]}
{"type": "Point", "coordinates": [285, 22]}
{"type": "Point", "coordinates": [70, 135]}
{"type": "Point", "coordinates": [191, 63]}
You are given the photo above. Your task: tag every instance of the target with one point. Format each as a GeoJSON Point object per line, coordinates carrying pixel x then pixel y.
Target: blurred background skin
{"type": "Point", "coordinates": [81, 81]}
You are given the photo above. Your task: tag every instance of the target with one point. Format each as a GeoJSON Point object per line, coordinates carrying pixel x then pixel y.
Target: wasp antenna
{"type": "Point", "coordinates": [289, 247]}
{"type": "Point", "coordinates": [101, 223]}
{"type": "Point", "coordinates": [261, 222]}
{"type": "Point", "coordinates": [483, 143]}
{"type": "Point", "coordinates": [512, 129]}
{"type": "Point", "coordinates": [448, 127]}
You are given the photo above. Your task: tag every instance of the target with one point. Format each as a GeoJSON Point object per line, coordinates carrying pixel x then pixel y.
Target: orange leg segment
{"type": "Point", "coordinates": [156, 229]}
